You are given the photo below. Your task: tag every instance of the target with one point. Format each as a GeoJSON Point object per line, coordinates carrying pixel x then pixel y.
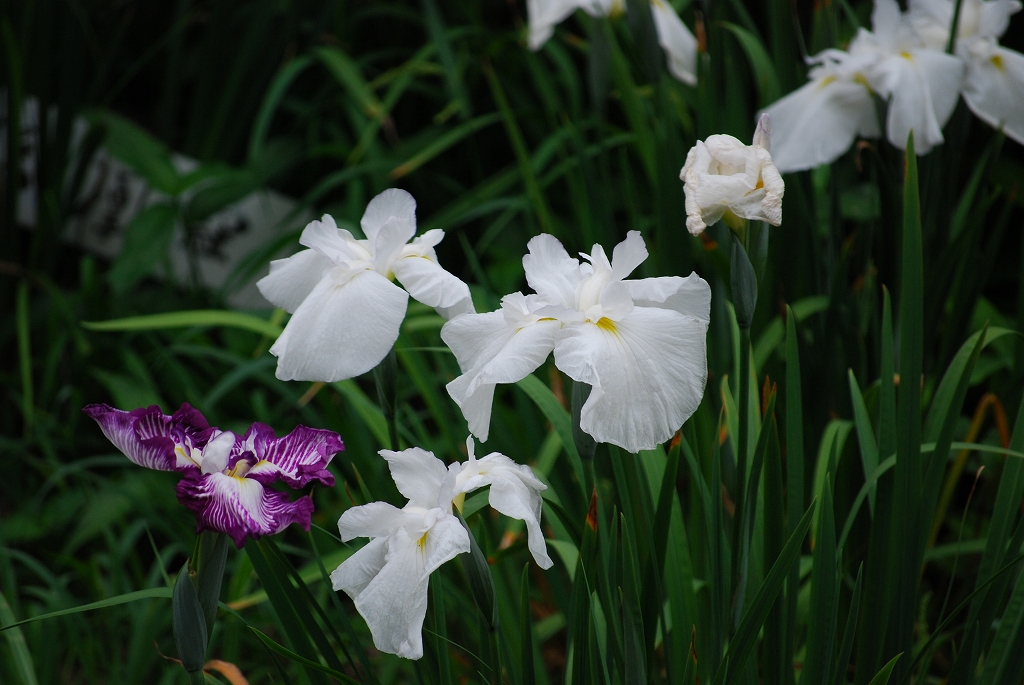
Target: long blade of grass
{"type": "Point", "coordinates": [188, 319]}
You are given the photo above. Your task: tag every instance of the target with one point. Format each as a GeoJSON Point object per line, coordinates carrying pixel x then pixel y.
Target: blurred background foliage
{"type": "Point", "coordinates": [332, 102]}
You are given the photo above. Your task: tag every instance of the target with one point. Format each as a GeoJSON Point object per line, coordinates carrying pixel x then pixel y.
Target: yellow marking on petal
{"type": "Point", "coordinates": [606, 324]}
{"type": "Point", "coordinates": [862, 80]}
{"type": "Point", "coordinates": [907, 56]}
{"type": "Point", "coordinates": [825, 81]}
{"type": "Point", "coordinates": [460, 499]}
{"type": "Point", "coordinates": [618, 8]}
{"type": "Point", "coordinates": [760, 183]}
{"type": "Point", "coordinates": [997, 60]}
{"type": "Point", "coordinates": [422, 542]}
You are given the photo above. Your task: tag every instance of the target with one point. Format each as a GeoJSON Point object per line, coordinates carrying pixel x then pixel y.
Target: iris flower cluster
{"type": "Point", "coordinates": [903, 61]}
{"type": "Point", "coordinates": [638, 343]}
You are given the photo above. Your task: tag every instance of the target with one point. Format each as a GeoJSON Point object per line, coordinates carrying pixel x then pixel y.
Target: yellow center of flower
{"type": "Point", "coordinates": [997, 60]}
{"type": "Point", "coordinates": [606, 324]}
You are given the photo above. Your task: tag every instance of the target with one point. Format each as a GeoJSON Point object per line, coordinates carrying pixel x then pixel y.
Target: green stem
{"type": "Point", "coordinates": [740, 546]}
{"type": "Point", "coordinates": [196, 678]}
{"type": "Point", "coordinates": [385, 374]}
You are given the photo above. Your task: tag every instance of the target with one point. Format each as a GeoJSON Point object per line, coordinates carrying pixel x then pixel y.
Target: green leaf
{"type": "Point", "coordinates": [795, 470]}
{"type": "Point", "coordinates": [189, 623]}
{"type": "Point", "coordinates": [760, 63]}
{"type": "Point", "coordinates": [275, 93]}
{"type": "Point", "coordinates": [442, 142]}
{"type": "Point", "coordinates": [821, 625]}
{"type": "Point", "coordinates": [213, 553]}
{"type": "Point", "coordinates": [481, 583]}
{"type": "Point", "coordinates": [188, 319]}
{"type": "Point", "coordinates": [882, 677]}
{"type": "Point", "coordinates": [753, 618]}
{"type": "Point", "coordinates": [22, 657]}
{"type": "Point", "coordinates": [744, 285]}
{"type": "Point", "coordinates": [774, 334]}
{"type": "Point", "coordinates": [559, 418]}
{"type": "Point", "coordinates": [849, 633]}
{"type": "Point", "coordinates": [865, 435]}
{"type": "Point", "coordinates": [134, 146]}
{"type": "Point", "coordinates": [1004, 663]}
{"type": "Point", "coordinates": [298, 658]}
{"type": "Point", "coordinates": [526, 666]}
{"type": "Point", "coordinates": [347, 73]}
{"type": "Point", "coordinates": [147, 239]}
{"type": "Point", "coordinates": [154, 593]}
{"type": "Point", "coordinates": [908, 519]}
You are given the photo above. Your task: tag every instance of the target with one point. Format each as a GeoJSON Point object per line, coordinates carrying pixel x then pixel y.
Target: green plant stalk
{"type": "Point", "coordinates": [740, 543]}
{"type": "Point", "coordinates": [384, 374]}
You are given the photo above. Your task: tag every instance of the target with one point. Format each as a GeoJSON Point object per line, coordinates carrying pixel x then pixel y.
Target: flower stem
{"type": "Point", "coordinates": [384, 374]}
{"type": "Point", "coordinates": [585, 444]}
{"type": "Point", "coordinates": [741, 548]}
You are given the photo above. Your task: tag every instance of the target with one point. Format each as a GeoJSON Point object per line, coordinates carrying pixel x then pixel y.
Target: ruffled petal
{"type": "Point", "coordinates": [392, 203]}
{"type": "Point", "coordinates": [341, 331]}
{"type": "Point", "coordinates": [356, 572]}
{"type": "Point", "coordinates": [147, 436]}
{"type": "Point", "coordinates": [994, 90]}
{"type": "Point", "coordinates": [324, 236]}
{"type": "Point", "coordinates": [240, 507]}
{"type": "Point", "coordinates": [491, 351]}
{"type": "Point", "coordinates": [291, 280]}
{"type": "Point", "coordinates": [515, 492]}
{"type": "Point", "coordinates": [430, 284]}
{"type": "Point", "coordinates": [817, 123]}
{"type": "Point", "coordinates": [373, 520]}
{"type": "Point", "coordinates": [690, 296]}
{"type": "Point", "coordinates": [679, 44]}
{"type": "Point", "coordinates": [217, 451]}
{"type": "Point", "coordinates": [647, 374]}
{"type": "Point", "coordinates": [551, 271]}
{"type": "Point", "coordinates": [298, 458]}
{"type": "Point", "coordinates": [419, 476]}
{"type": "Point", "coordinates": [628, 255]}
{"type": "Point", "coordinates": [394, 601]}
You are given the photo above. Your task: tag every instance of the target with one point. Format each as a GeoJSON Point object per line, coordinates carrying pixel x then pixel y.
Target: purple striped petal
{"type": "Point", "coordinates": [298, 458]}
{"type": "Point", "coordinates": [148, 437]}
{"type": "Point", "coordinates": [240, 507]}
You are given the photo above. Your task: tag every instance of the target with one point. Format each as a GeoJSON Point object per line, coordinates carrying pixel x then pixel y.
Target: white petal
{"type": "Point", "coordinates": [647, 372]}
{"type": "Point", "coordinates": [418, 474]}
{"type": "Point", "coordinates": [817, 123]}
{"type": "Point", "coordinates": [446, 539]}
{"type": "Point", "coordinates": [628, 255]}
{"type": "Point", "coordinates": [690, 296]}
{"type": "Point", "coordinates": [356, 572]}
{"type": "Point", "coordinates": [994, 90]}
{"type": "Point", "coordinates": [551, 271]}
{"type": "Point", "coordinates": [216, 453]}
{"type": "Point", "coordinates": [291, 280]}
{"type": "Point", "coordinates": [543, 16]}
{"type": "Point", "coordinates": [922, 84]}
{"type": "Point", "coordinates": [475, 404]}
{"type": "Point", "coordinates": [341, 331]}
{"type": "Point", "coordinates": [499, 354]}
{"type": "Point", "coordinates": [427, 282]}
{"type": "Point", "coordinates": [945, 76]}
{"type": "Point", "coordinates": [676, 40]}
{"type": "Point", "coordinates": [515, 492]}
{"type": "Point", "coordinates": [325, 237]}
{"type": "Point", "coordinates": [995, 17]}
{"type": "Point", "coordinates": [393, 202]}
{"type": "Point", "coordinates": [389, 242]}
{"type": "Point", "coordinates": [762, 132]}
{"type": "Point", "coordinates": [373, 520]}
{"type": "Point", "coordinates": [394, 602]}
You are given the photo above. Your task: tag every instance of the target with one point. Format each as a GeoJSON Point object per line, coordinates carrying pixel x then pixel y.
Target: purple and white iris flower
{"type": "Point", "coordinates": [346, 309]}
{"type": "Point", "coordinates": [226, 478]}
{"type": "Point", "coordinates": [640, 344]}
{"type": "Point", "coordinates": [389, 577]}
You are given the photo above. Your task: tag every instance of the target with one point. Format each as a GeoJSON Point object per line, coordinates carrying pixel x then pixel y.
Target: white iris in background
{"type": "Point", "coordinates": [388, 578]}
{"type": "Point", "coordinates": [346, 309]}
{"type": "Point", "coordinates": [723, 176]}
{"type": "Point", "coordinates": [994, 84]}
{"type": "Point", "coordinates": [640, 344]}
{"type": "Point", "coordinates": [674, 37]}
{"type": "Point", "coordinates": [816, 124]}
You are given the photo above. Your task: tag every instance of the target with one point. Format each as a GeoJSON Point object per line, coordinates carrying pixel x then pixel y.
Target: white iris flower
{"type": "Point", "coordinates": [388, 578]}
{"type": "Point", "coordinates": [640, 344]}
{"type": "Point", "coordinates": [994, 84]}
{"type": "Point", "coordinates": [674, 37]}
{"type": "Point", "coordinates": [816, 124]}
{"type": "Point", "coordinates": [723, 176]}
{"type": "Point", "coordinates": [346, 309]}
